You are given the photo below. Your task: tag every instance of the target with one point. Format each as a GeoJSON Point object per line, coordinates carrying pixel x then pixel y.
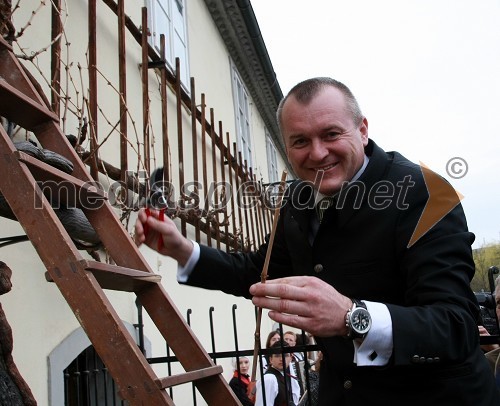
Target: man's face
{"type": "Point", "coordinates": [322, 139]}
{"type": "Point", "coordinates": [290, 339]}
{"type": "Point", "coordinates": [276, 361]}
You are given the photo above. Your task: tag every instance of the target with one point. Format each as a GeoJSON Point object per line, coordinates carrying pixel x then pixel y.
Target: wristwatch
{"type": "Point", "coordinates": [358, 320]}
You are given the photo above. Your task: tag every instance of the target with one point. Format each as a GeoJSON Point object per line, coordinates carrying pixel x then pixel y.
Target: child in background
{"type": "Point", "coordinates": [240, 380]}
{"type": "Point", "coordinates": [280, 388]}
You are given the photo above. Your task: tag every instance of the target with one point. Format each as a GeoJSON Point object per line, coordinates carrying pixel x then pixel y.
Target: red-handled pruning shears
{"type": "Point", "coordinates": [161, 217]}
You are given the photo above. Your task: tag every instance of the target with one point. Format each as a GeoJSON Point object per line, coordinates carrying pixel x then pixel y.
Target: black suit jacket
{"type": "Point", "coordinates": [361, 248]}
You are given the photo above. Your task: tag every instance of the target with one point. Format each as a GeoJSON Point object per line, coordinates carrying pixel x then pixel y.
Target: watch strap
{"type": "Point", "coordinates": [358, 303]}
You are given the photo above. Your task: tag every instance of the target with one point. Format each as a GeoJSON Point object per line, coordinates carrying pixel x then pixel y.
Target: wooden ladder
{"type": "Point", "coordinates": [82, 281]}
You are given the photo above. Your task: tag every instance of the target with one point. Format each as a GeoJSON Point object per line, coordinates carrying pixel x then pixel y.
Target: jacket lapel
{"type": "Point", "coordinates": [301, 205]}
{"type": "Point", "coordinates": [355, 195]}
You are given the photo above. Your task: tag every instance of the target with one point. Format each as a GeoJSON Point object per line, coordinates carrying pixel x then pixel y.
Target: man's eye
{"type": "Point", "coordinates": [299, 142]}
{"type": "Point", "coordinates": [333, 135]}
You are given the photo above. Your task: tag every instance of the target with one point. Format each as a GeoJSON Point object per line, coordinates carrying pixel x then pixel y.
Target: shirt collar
{"type": "Point", "coordinates": [356, 176]}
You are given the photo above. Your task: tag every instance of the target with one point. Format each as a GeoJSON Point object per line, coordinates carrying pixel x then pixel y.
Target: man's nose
{"type": "Point", "coordinates": [318, 150]}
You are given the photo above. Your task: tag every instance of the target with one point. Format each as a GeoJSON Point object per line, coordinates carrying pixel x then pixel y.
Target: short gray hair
{"type": "Point", "coordinates": [307, 89]}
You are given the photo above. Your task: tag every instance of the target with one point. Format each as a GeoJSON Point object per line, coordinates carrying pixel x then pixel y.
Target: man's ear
{"type": "Point", "coordinates": [363, 129]}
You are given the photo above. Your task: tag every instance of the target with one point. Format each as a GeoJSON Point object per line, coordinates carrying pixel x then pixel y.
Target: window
{"type": "Point", "coordinates": [242, 112]}
{"type": "Point", "coordinates": [88, 382]}
{"type": "Point", "coordinates": [74, 357]}
{"type": "Point", "coordinates": [272, 160]}
{"type": "Point", "coordinates": [169, 17]}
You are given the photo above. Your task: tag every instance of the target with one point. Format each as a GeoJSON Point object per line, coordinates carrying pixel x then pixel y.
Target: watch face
{"type": "Point", "coordinates": [360, 320]}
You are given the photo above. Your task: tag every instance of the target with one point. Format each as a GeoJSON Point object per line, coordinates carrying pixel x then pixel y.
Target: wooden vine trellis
{"type": "Point", "coordinates": [226, 222]}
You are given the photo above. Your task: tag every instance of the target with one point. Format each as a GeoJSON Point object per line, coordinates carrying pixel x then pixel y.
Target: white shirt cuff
{"type": "Point", "coordinates": [376, 347]}
{"type": "Point", "coordinates": [183, 272]}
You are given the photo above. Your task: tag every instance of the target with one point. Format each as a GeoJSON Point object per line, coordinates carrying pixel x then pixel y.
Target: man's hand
{"type": "Point", "coordinates": [149, 229]}
{"type": "Point", "coordinates": [304, 302]}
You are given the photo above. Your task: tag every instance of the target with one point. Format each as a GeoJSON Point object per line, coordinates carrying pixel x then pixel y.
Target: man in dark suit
{"type": "Point", "coordinates": [388, 301]}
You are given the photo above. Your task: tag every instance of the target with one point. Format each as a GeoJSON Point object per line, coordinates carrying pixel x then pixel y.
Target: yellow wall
{"type": "Point", "coordinates": [35, 309]}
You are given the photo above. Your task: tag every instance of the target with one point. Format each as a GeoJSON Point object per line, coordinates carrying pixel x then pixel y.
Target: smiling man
{"type": "Point", "coordinates": [396, 322]}
{"type": "Point", "coordinates": [324, 135]}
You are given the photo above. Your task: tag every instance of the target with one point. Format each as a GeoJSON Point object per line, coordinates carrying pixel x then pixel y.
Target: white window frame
{"type": "Point", "coordinates": [242, 115]}
{"type": "Point", "coordinates": [168, 17]}
{"type": "Point", "coordinates": [272, 159]}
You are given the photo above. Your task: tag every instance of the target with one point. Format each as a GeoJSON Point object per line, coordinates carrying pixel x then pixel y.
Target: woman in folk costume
{"type": "Point", "coordinates": [240, 380]}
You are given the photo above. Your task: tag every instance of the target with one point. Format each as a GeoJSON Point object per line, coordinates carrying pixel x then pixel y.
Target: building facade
{"type": "Point", "coordinates": [139, 85]}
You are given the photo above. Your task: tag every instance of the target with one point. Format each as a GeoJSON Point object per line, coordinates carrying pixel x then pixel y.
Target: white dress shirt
{"type": "Point", "coordinates": [272, 389]}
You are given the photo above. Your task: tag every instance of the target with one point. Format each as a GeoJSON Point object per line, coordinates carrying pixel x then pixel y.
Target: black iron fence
{"type": "Point", "coordinates": [302, 371]}
{"type": "Point", "coordinates": [88, 383]}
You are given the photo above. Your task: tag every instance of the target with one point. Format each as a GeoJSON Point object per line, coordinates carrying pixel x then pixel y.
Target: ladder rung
{"type": "Point", "coordinates": [189, 376]}
{"type": "Point", "coordinates": [115, 277]}
{"type": "Point", "coordinates": [120, 278]}
{"type": "Point", "coordinates": [64, 188]}
{"type": "Point", "coordinates": [20, 109]}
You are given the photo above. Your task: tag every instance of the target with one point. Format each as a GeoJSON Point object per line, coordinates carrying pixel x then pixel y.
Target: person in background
{"type": "Point", "coordinates": [311, 355]}
{"type": "Point", "coordinates": [364, 257]}
{"type": "Point", "coordinates": [296, 363]}
{"type": "Point", "coordinates": [311, 395]}
{"type": "Point", "coordinates": [241, 379]}
{"type": "Point", "coordinates": [274, 336]}
{"type": "Point", "coordinates": [290, 337]}
{"type": "Point", "coordinates": [279, 387]}
{"type": "Point", "coordinates": [492, 351]}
